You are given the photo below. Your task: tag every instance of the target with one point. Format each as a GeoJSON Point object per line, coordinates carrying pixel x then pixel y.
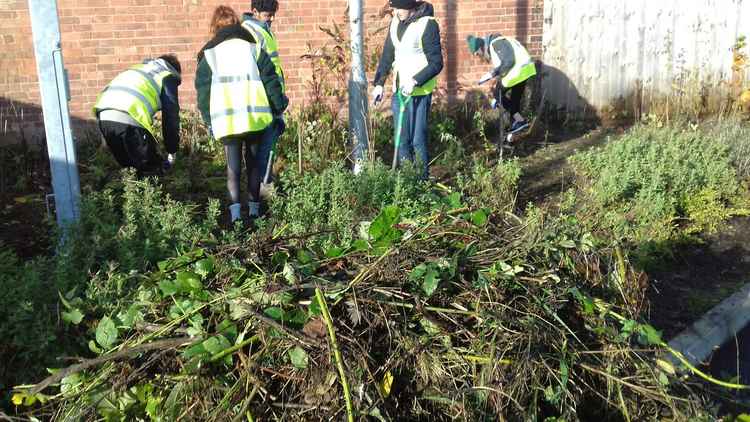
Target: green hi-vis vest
{"type": "Point", "coordinates": [409, 55]}
{"type": "Point", "coordinates": [238, 103]}
{"type": "Point", "coordinates": [136, 91]}
{"type": "Point", "coordinates": [524, 67]}
{"type": "Point", "coordinates": [268, 43]}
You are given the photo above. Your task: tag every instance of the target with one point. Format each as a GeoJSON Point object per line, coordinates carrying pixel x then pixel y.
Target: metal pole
{"type": "Point", "coordinates": [53, 86]}
{"type": "Point", "coordinates": [357, 82]}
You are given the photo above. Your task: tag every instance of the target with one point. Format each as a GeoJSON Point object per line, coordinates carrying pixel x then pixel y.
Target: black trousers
{"type": "Point", "coordinates": [511, 97]}
{"type": "Point", "coordinates": [132, 146]}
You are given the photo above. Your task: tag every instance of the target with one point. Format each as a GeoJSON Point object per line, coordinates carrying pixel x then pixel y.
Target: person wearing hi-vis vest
{"type": "Point", "coordinates": [513, 65]}
{"type": "Point", "coordinates": [258, 21]}
{"type": "Point", "coordinates": [413, 51]}
{"type": "Point", "coordinates": [239, 93]}
{"type": "Point", "coordinates": [125, 112]}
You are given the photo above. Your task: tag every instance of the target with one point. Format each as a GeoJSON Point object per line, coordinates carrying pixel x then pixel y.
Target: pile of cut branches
{"type": "Point", "coordinates": [463, 314]}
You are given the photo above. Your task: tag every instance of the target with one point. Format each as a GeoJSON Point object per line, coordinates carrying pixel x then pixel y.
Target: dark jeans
{"type": "Point", "coordinates": [233, 149]}
{"type": "Point", "coordinates": [268, 140]}
{"type": "Point", "coordinates": [511, 97]}
{"type": "Point", "coordinates": [132, 146]}
{"type": "Point", "coordinates": [414, 131]}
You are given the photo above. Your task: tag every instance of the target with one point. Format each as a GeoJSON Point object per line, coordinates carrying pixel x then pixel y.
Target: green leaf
{"type": "Point", "coordinates": [304, 257]}
{"type": "Point", "coordinates": [94, 348]}
{"type": "Point", "coordinates": [216, 344]}
{"type": "Point", "coordinates": [479, 218]}
{"type": "Point", "coordinates": [188, 281]}
{"type": "Point", "coordinates": [227, 329]}
{"type": "Point", "coordinates": [431, 281]}
{"type": "Point", "coordinates": [454, 200]}
{"type": "Point", "coordinates": [649, 336]}
{"type": "Point", "coordinates": [168, 288]}
{"type": "Point", "coordinates": [298, 357]}
{"type": "Point", "coordinates": [360, 245]}
{"type": "Point", "coordinates": [334, 252]}
{"type": "Point", "coordinates": [204, 267]}
{"type": "Point", "coordinates": [274, 312]}
{"type": "Point", "coordinates": [743, 418]}
{"type": "Point", "coordinates": [74, 317]}
{"type": "Point", "coordinates": [131, 317]}
{"type": "Point", "coordinates": [106, 333]}
{"type": "Point", "coordinates": [381, 230]}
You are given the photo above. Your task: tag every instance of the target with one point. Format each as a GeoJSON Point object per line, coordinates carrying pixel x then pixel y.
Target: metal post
{"type": "Point", "coordinates": [357, 82]}
{"type": "Point", "coordinates": [53, 86]}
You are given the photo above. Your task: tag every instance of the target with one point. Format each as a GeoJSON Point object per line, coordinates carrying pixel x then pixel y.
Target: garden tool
{"type": "Point", "coordinates": [403, 101]}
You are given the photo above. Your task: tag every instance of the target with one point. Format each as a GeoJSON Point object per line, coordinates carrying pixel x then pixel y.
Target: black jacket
{"type": "Point", "coordinates": [430, 42]}
{"type": "Point", "coordinates": [276, 98]}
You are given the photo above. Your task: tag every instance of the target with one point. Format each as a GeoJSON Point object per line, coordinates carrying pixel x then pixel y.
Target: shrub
{"type": "Point", "coordinates": [28, 319]}
{"type": "Point", "coordinates": [334, 201]}
{"type": "Point", "coordinates": [653, 180]}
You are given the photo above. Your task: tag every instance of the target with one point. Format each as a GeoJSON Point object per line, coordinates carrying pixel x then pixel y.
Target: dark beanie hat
{"type": "Point", "coordinates": [403, 4]}
{"type": "Point", "coordinates": [475, 44]}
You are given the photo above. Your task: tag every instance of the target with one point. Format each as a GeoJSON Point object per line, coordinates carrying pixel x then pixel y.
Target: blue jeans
{"type": "Point", "coordinates": [414, 130]}
{"type": "Point", "coordinates": [268, 140]}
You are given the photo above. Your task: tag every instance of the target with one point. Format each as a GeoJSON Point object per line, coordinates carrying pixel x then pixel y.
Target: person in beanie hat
{"type": "Point", "coordinates": [513, 64]}
{"type": "Point", "coordinates": [258, 22]}
{"type": "Point", "coordinates": [413, 50]}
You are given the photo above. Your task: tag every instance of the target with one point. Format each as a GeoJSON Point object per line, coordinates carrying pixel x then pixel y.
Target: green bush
{"type": "Point", "coordinates": [652, 181]}
{"type": "Point", "coordinates": [28, 319]}
{"type": "Point", "coordinates": [493, 187]}
{"type": "Point", "coordinates": [334, 201]}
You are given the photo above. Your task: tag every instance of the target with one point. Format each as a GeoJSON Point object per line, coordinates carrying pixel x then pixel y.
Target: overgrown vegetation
{"type": "Point", "coordinates": [656, 183]}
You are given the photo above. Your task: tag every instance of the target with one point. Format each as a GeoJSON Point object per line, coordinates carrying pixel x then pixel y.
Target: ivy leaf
{"type": "Point", "coordinates": [106, 333]}
{"type": "Point", "coordinates": [298, 357]}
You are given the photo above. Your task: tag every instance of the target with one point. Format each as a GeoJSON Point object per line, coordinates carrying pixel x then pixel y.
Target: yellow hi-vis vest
{"type": "Point", "coordinates": [268, 43]}
{"type": "Point", "coordinates": [524, 67]}
{"type": "Point", "coordinates": [409, 55]}
{"type": "Point", "coordinates": [137, 91]}
{"type": "Point", "coordinates": [238, 103]}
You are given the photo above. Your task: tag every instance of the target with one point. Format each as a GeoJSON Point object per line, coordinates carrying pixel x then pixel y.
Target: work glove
{"type": "Point", "coordinates": [494, 103]}
{"type": "Point", "coordinates": [408, 87]}
{"type": "Point", "coordinates": [486, 77]}
{"type": "Point", "coordinates": [171, 158]}
{"type": "Point", "coordinates": [377, 94]}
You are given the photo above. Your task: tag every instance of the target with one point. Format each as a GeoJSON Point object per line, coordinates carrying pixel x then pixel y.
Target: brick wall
{"type": "Point", "coordinates": [103, 37]}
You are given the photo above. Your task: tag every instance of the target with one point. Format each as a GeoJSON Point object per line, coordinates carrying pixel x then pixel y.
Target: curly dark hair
{"type": "Point", "coordinates": [265, 5]}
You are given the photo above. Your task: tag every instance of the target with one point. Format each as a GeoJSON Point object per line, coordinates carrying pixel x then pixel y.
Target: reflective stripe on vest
{"type": "Point", "coordinates": [524, 66]}
{"type": "Point", "coordinates": [268, 43]}
{"type": "Point", "coordinates": [136, 91]}
{"type": "Point", "coordinates": [409, 55]}
{"type": "Point", "coordinates": [238, 102]}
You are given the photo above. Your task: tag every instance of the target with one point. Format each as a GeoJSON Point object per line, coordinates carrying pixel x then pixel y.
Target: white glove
{"type": "Point", "coordinates": [377, 94]}
{"type": "Point", "coordinates": [486, 77]}
{"type": "Point", "coordinates": [493, 103]}
{"type": "Point", "coordinates": [171, 158]}
{"type": "Point", "coordinates": [408, 86]}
